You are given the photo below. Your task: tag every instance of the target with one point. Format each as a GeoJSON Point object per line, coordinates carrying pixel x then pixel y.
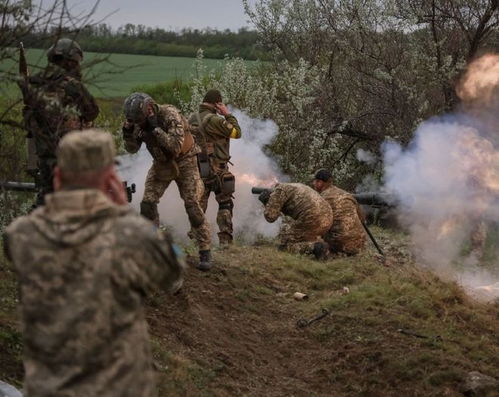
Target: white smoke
{"type": "Point", "coordinates": [366, 156]}
{"type": "Point", "coordinates": [251, 167]}
{"type": "Point", "coordinates": [447, 184]}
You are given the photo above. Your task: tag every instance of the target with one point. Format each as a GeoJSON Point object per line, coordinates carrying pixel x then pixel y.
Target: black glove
{"type": "Point", "coordinates": [127, 132]}
{"type": "Point", "coordinates": [264, 196]}
{"type": "Point", "coordinates": [152, 122]}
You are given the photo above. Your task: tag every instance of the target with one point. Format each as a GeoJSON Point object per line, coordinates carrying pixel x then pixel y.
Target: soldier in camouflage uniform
{"type": "Point", "coordinates": [347, 234]}
{"type": "Point", "coordinates": [311, 217]}
{"type": "Point", "coordinates": [56, 102]}
{"type": "Point", "coordinates": [166, 135]}
{"type": "Point", "coordinates": [85, 261]}
{"type": "Point", "coordinates": [214, 133]}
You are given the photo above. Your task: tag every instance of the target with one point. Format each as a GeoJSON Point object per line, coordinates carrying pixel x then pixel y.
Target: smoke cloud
{"type": "Point", "coordinates": [447, 184]}
{"type": "Point", "coordinates": [252, 167]}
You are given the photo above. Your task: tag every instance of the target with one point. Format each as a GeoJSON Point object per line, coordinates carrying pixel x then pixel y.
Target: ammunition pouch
{"type": "Point", "coordinates": [204, 166]}
{"type": "Point", "coordinates": [227, 183]}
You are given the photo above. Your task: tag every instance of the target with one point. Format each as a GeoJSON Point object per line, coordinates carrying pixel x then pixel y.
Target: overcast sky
{"type": "Point", "coordinates": [169, 14]}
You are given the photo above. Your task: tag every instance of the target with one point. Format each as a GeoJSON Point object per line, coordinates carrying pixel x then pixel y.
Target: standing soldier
{"type": "Point", "coordinates": [85, 262]}
{"type": "Point", "coordinates": [166, 135]}
{"type": "Point", "coordinates": [347, 234]}
{"type": "Point", "coordinates": [213, 133]}
{"type": "Point", "coordinates": [56, 102]}
{"type": "Point", "coordinates": [311, 217]}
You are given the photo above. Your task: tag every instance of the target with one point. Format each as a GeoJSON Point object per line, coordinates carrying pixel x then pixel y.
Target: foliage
{"type": "Point", "coordinates": [383, 66]}
{"type": "Point", "coordinates": [139, 39]}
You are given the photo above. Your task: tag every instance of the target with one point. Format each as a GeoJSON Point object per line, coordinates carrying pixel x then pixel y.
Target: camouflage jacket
{"type": "Point", "coordinates": [84, 266]}
{"type": "Point", "coordinates": [217, 130]}
{"type": "Point", "coordinates": [347, 233]}
{"type": "Point", "coordinates": [171, 140]}
{"type": "Point", "coordinates": [297, 201]}
{"type": "Point", "coordinates": [56, 102]}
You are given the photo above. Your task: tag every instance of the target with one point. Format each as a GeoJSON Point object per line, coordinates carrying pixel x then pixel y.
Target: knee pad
{"type": "Point", "coordinates": [196, 216]}
{"type": "Point", "coordinates": [226, 205]}
{"type": "Point", "coordinates": [149, 210]}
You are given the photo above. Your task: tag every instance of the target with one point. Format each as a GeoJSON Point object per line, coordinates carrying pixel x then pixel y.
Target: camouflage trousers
{"type": "Point", "coordinates": [44, 179]}
{"type": "Point", "coordinates": [225, 206]}
{"type": "Point", "coordinates": [350, 239]}
{"type": "Point", "coordinates": [299, 237]}
{"type": "Point", "coordinates": [185, 173]}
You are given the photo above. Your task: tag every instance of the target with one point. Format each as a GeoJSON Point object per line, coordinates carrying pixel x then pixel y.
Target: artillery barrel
{"type": "Point", "coordinates": [375, 199]}
{"type": "Point", "coordinates": [258, 190]}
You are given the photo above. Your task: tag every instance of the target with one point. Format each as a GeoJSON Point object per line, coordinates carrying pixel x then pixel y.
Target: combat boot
{"type": "Point", "coordinates": [204, 261]}
{"type": "Point", "coordinates": [321, 250]}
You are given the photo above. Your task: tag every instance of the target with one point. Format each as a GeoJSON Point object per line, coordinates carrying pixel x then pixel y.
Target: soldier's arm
{"type": "Point", "coordinates": [85, 101]}
{"type": "Point", "coordinates": [228, 126]}
{"type": "Point", "coordinates": [276, 201]}
{"type": "Point", "coordinates": [131, 139]}
{"type": "Point", "coordinates": [166, 265]}
{"type": "Point", "coordinates": [171, 137]}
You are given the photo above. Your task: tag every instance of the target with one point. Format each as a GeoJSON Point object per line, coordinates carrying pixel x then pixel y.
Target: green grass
{"type": "Point", "coordinates": [123, 72]}
{"type": "Point", "coordinates": [232, 331]}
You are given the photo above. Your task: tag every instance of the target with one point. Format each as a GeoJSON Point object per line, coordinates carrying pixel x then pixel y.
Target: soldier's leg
{"type": "Point", "coordinates": [158, 179]}
{"type": "Point", "coordinates": [225, 208]}
{"type": "Point", "coordinates": [45, 178]}
{"type": "Point", "coordinates": [191, 190]}
{"type": "Point", "coordinates": [478, 238]}
{"type": "Point", "coordinates": [302, 238]}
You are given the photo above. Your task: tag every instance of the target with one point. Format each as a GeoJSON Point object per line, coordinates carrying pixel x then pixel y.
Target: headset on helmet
{"type": "Point", "coordinates": [65, 49]}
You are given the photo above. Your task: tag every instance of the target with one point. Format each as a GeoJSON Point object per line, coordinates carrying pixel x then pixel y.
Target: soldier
{"type": "Point", "coordinates": [311, 217]}
{"type": "Point", "coordinates": [213, 132]}
{"type": "Point", "coordinates": [347, 233]}
{"type": "Point", "coordinates": [56, 102]}
{"type": "Point", "coordinates": [85, 261]}
{"type": "Point", "coordinates": [166, 135]}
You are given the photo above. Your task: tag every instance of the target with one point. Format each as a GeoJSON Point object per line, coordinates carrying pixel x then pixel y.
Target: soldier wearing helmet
{"type": "Point", "coordinates": [56, 102]}
{"type": "Point", "coordinates": [166, 134]}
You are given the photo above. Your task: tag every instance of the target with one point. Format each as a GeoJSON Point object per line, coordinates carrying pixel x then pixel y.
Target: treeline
{"type": "Point", "coordinates": [139, 39]}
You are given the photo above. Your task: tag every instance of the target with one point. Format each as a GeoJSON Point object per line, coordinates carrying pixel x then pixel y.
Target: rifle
{"type": "Point", "coordinates": [32, 188]}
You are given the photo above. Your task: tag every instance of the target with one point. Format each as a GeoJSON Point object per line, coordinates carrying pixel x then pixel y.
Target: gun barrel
{"type": "Point", "coordinates": [18, 186]}
{"type": "Point", "coordinates": [258, 190]}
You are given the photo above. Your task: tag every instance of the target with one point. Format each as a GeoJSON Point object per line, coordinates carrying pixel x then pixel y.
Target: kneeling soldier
{"type": "Point", "coordinates": [347, 233]}
{"type": "Point", "coordinates": [311, 217]}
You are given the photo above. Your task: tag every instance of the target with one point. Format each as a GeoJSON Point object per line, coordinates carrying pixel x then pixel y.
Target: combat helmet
{"type": "Point", "coordinates": [65, 49]}
{"type": "Point", "coordinates": [135, 106]}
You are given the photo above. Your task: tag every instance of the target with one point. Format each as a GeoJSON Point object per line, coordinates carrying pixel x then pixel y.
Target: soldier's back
{"type": "Point", "coordinates": [303, 201]}
{"type": "Point", "coordinates": [83, 271]}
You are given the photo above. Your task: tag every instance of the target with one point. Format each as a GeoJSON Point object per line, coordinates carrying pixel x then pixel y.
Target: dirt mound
{"type": "Point", "coordinates": [251, 342]}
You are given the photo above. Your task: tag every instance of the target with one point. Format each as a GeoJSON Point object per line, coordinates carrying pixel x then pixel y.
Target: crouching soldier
{"type": "Point", "coordinates": [166, 135]}
{"type": "Point", "coordinates": [311, 217]}
{"type": "Point", "coordinates": [346, 234]}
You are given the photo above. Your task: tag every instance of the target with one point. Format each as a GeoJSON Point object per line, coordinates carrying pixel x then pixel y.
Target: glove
{"type": "Point", "coordinates": [264, 196]}
{"type": "Point", "coordinates": [152, 122]}
{"type": "Point", "coordinates": [127, 130]}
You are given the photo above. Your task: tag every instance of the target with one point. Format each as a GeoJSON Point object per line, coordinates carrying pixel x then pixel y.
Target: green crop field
{"type": "Point", "coordinates": [122, 72]}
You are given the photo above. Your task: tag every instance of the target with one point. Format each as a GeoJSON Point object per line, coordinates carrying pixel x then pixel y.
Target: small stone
{"type": "Point", "coordinates": [477, 384]}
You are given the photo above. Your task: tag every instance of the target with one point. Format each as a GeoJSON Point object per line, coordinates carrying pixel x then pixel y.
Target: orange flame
{"type": "Point", "coordinates": [253, 180]}
{"type": "Point", "coordinates": [481, 81]}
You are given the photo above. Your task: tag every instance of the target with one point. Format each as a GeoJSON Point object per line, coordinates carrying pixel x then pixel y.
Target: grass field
{"type": "Point", "coordinates": [123, 72]}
